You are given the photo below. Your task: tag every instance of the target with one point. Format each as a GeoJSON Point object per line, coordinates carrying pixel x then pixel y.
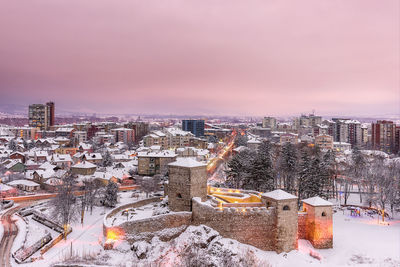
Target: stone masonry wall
{"type": "Point", "coordinates": [253, 226]}
{"type": "Point", "coordinates": [301, 231]}
{"type": "Point", "coordinates": [127, 206]}
{"type": "Point", "coordinates": [286, 222]}
{"type": "Point", "coordinates": [156, 223]}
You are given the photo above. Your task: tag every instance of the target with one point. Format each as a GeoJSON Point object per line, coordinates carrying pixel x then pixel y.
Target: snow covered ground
{"type": "Point", "coordinates": [86, 239]}
{"type": "Point", "coordinates": [22, 232]}
{"type": "Point", "coordinates": [132, 214]}
{"type": "Point", "coordinates": [358, 241]}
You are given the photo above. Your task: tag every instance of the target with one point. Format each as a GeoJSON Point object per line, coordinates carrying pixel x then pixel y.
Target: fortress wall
{"type": "Point", "coordinates": [253, 226]}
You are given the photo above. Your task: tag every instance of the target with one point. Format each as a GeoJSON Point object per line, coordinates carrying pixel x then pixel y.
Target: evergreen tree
{"type": "Point", "coordinates": [327, 174]}
{"type": "Point", "coordinates": [12, 145]}
{"type": "Point", "coordinates": [240, 140]}
{"type": "Point", "coordinates": [107, 159]}
{"type": "Point", "coordinates": [316, 180]}
{"type": "Point", "coordinates": [111, 194]}
{"type": "Point", "coordinates": [239, 168]}
{"type": "Point", "coordinates": [288, 166]}
{"type": "Point", "coordinates": [261, 174]}
{"type": "Point", "coordinates": [25, 144]}
{"type": "Point", "coordinates": [305, 177]}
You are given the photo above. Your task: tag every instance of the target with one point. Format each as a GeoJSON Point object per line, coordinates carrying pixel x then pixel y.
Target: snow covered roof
{"type": "Point", "coordinates": [93, 156]}
{"type": "Point", "coordinates": [254, 141]}
{"type": "Point", "coordinates": [12, 163]}
{"type": "Point", "coordinates": [317, 201]}
{"type": "Point", "coordinates": [240, 148]}
{"type": "Point", "coordinates": [46, 165]}
{"type": "Point", "coordinates": [186, 162]}
{"type": "Point", "coordinates": [177, 132]}
{"type": "Point", "coordinates": [62, 158]}
{"type": "Point", "coordinates": [65, 129]}
{"type": "Point", "coordinates": [84, 165]}
{"type": "Point", "coordinates": [61, 139]}
{"type": "Point", "coordinates": [45, 173]}
{"type": "Point", "coordinates": [23, 182]}
{"type": "Point", "coordinates": [4, 187]}
{"type": "Point", "coordinates": [158, 133]}
{"type": "Point", "coordinates": [279, 195]}
{"type": "Point", "coordinates": [158, 154]}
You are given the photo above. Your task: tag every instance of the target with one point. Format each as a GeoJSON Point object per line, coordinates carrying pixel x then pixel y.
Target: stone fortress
{"type": "Point", "coordinates": [269, 221]}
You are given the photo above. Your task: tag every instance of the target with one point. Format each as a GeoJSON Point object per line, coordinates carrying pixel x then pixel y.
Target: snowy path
{"type": "Point", "coordinates": [10, 232]}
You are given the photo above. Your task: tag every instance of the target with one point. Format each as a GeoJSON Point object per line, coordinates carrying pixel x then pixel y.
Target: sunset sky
{"type": "Point", "coordinates": [257, 57]}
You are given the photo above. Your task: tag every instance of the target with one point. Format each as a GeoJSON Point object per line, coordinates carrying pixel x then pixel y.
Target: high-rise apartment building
{"type": "Point", "coordinates": [42, 115]}
{"type": "Point", "coordinates": [347, 131]}
{"type": "Point", "coordinates": [307, 121]}
{"type": "Point", "coordinates": [383, 136]}
{"type": "Point", "coordinates": [269, 122]}
{"type": "Point", "coordinates": [196, 127]}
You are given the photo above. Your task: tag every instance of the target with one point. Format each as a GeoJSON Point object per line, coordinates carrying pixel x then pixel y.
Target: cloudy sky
{"type": "Point", "coordinates": [234, 57]}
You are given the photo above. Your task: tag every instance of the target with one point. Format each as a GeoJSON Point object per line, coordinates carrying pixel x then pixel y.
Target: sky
{"type": "Point", "coordinates": [222, 57]}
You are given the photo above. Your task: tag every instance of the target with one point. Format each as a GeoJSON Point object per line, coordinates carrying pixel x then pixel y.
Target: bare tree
{"type": "Point", "coordinates": [64, 203]}
{"type": "Point", "coordinates": [148, 184]}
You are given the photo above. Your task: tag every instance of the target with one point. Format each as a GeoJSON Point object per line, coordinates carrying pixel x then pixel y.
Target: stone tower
{"type": "Point", "coordinates": [187, 179]}
{"type": "Point", "coordinates": [318, 222]}
{"type": "Point", "coordinates": [285, 206]}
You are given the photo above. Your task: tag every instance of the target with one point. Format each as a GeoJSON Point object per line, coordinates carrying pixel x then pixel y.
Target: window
{"type": "Point", "coordinates": [268, 204]}
{"type": "Point", "coordinates": [323, 214]}
{"type": "Point", "coordinates": [286, 207]}
{"type": "Point", "coordinates": [179, 196]}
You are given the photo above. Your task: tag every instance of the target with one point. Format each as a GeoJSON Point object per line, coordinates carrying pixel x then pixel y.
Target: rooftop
{"type": "Point", "coordinates": [316, 201]}
{"type": "Point", "coordinates": [186, 162]}
{"type": "Point", "coordinates": [279, 195]}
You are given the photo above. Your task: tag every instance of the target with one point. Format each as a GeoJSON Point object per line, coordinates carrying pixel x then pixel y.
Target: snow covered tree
{"type": "Point", "coordinates": [394, 196]}
{"type": "Point", "coordinates": [383, 181]}
{"type": "Point", "coordinates": [64, 202]}
{"type": "Point", "coordinates": [149, 184]}
{"type": "Point", "coordinates": [107, 159]}
{"type": "Point", "coordinates": [304, 176]}
{"type": "Point", "coordinates": [12, 145]}
{"type": "Point", "coordinates": [357, 168]}
{"type": "Point", "coordinates": [288, 166]}
{"type": "Point", "coordinates": [327, 174]}
{"type": "Point", "coordinates": [25, 144]}
{"type": "Point", "coordinates": [111, 194]}
{"type": "Point", "coordinates": [238, 168]}
{"type": "Point", "coordinates": [91, 191]}
{"type": "Point", "coordinates": [261, 173]}
{"type": "Point", "coordinates": [240, 140]}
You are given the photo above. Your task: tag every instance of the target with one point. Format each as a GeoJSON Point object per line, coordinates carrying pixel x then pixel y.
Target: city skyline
{"type": "Point", "coordinates": [199, 58]}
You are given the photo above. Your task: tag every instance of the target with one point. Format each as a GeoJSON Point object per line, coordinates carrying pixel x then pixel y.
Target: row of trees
{"type": "Point", "coordinates": [304, 171]}
{"type": "Point", "coordinates": [376, 178]}
{"type": "Point", "coordinates": [69, 208]}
